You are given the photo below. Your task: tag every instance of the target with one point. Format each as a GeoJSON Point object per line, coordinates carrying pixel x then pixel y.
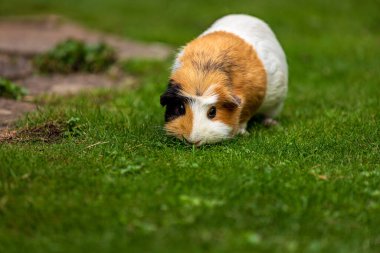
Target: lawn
{"type": "Point", "coordinates": [115, 183]}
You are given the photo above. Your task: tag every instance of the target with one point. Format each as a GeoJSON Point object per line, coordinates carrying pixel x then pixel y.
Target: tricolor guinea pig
{"type": "Point", "coordinates": [231, 72]}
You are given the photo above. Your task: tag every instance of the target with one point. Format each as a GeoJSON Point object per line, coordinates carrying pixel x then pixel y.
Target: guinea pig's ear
{"type": "Point", "coordinates": [232, 102]}
{"type": "Point", "coordinates": [171, 93]}
{"type": "Point", "coordinates": [164, 98]}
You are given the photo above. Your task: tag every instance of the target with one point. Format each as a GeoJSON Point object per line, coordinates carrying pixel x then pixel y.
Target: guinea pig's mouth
{"type": "Point", "coordinates": [195, 143]}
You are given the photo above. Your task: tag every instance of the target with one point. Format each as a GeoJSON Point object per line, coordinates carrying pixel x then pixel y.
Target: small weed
{"type": "Point", "coordinates": [73, 127]}
{"type": "Point", "coordinates": [192, 201]}
{"type": "Point", "coordinates": [9, 89]}
{"type": "Point", "coordinates": [76, 56]}
{"type": "Point", "coordinates": [126, 166]}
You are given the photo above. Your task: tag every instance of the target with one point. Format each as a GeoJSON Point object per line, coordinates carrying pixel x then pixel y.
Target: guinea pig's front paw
{"type": "Point", "coordinates": [269, 122]}
{"type": "Point", "coordinates": [243, 131]}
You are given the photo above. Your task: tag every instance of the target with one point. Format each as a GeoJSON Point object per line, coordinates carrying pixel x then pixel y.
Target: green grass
{"type": "Point", "coordinates": [311, 185]}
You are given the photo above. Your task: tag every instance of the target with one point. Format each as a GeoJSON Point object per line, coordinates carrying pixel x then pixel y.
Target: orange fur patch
{"type": "Point", "coordinates": [227, 61]}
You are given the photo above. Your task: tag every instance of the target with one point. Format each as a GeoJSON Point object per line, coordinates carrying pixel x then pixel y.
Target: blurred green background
{"type": "Point", "coordinates": [176, 22]}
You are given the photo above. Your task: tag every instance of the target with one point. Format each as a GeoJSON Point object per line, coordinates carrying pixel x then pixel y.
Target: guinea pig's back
{"type": "Point", "coordinates": [259, 35]}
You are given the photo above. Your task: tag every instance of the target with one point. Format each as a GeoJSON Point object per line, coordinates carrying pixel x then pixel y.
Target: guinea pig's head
{"type": "Point", "coordinates": [200, 114]}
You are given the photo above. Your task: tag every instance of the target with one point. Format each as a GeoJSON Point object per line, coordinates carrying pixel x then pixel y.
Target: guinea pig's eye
{"type": "Point", "coordinates": [211, 112]}
{"type": "Point", "coordinates": [180, 110]}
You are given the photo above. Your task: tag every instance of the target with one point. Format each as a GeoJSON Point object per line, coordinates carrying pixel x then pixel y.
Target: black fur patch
{"type": "Point", "coordinates": [174, 101]}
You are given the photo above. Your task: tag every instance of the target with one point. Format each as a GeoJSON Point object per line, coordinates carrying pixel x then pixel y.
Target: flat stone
{"type": "Point", "coordinates": [11, 110]}
{"type": "Point", "coordinates": [43, 33]}
{"type": "Point", "coordinates": [5, 112]}
{"type": "Point", "coordinates": [73, 83]}
{"type": "Point", "coordinates": [14, 66]}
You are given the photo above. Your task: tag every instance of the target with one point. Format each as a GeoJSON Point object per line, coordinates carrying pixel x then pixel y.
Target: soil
{"type": "Point", "coordinates": [47, 132]}
{"type": "Point", "coordinates": [23, 38]}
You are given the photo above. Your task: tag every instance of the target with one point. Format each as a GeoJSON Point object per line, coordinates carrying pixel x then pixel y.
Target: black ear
{"type": "Point", "coordinates": [171, 93]}
{"type": "Point", "coordinates": [164, 98]}
{"type": "Point", "coordinates": [174, 101]}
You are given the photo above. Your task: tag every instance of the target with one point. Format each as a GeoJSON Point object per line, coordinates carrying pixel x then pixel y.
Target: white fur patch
{"type": "Point", "coordinates": [177, 62]}
{"type": "Point", "coordinates": [205, 130]}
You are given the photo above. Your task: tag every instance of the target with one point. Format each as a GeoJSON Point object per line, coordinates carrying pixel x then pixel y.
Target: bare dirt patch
{"type": "Point", "coordinates": [48, 132]}
{"type": "Point", "coordinates": [23, 38]}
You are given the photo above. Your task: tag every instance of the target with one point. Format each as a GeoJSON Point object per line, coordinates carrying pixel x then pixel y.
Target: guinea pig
{"type": "Point", "coordinates": [232, 71]}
